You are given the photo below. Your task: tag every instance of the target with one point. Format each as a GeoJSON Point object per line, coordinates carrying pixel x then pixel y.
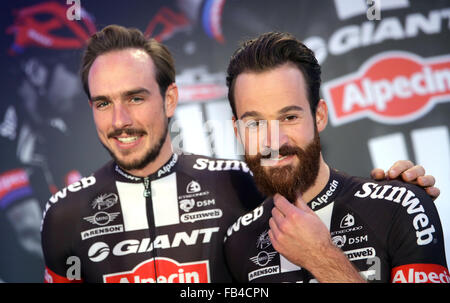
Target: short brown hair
{"type": "Point", "coordinates": [115, 37]}
{"type": "Point", "coordinates": [268, 51]}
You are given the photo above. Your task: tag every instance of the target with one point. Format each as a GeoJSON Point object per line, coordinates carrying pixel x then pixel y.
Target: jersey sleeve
{"type": "Point", "coordinates": [56, 235]}
{"type": "Point", "coordinates": [416, 241]}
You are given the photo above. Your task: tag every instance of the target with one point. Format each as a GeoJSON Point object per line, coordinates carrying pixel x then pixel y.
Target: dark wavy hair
{"type": "Point", "coordinates": [271, 50]}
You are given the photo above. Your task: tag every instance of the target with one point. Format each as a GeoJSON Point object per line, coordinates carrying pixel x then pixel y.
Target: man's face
{"type": "Point", "coordinates": [279, 97]}
{"type": "Point", "coordinates": [129, 111]}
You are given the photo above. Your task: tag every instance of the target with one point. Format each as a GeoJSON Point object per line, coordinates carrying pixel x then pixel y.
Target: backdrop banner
{"type": "Point", "coordinates": [385, 74]}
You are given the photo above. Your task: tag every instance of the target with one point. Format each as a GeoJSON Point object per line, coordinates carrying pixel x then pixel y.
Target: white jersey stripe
{"type": "Point", "coordinates": [165, 201]}
{"type": "Point", "coordinates": [133, 205]}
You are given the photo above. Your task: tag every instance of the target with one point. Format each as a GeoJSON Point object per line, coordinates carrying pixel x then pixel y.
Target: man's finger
{"type": "Point", "coordinates": [301, 204]}
{"type": "Point", "coordinates": [277, 216]}
{"type": "Point", "coordinates": [377, 174]}
{"type": "Point", "coordinates": [398, 168]}
{"type": "Point", "coordinates": [274, 231]}
{"type": "Point", "coordinates": [413, 173]}
{"type": "Point", "coordinates": [282, 204]}
{"type": "Point", "coordinates": [426, 181]}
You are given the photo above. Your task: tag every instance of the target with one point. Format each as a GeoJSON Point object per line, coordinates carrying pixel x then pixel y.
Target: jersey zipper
{"type": "Point", "coordinates": [147, 190]}
{"type": "Point", "coordinates": [150, 219]}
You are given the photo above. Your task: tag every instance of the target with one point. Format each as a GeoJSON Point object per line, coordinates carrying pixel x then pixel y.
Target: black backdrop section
{"type": "Point", "coordinates": [386, 82]}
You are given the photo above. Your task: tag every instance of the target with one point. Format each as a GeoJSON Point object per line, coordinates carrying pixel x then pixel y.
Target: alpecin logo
{"type": "Point", "coordinates": [391, 87]}
{"type": "Point", "coordinates": [169, 271]}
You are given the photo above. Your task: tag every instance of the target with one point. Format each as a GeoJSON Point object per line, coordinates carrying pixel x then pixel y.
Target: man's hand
{"type": "Point", "coordinates": [410, 173]}
{"type": "Point", "coordinates": [299, 235]}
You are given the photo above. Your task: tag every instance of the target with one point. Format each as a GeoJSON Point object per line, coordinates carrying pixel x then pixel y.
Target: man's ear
{"type": "Point", "coordinates": [171, 99]}
{"type": "Point", "coordinates": [236, 129]}
{"type": "Point", "coordinates": [321, 115]}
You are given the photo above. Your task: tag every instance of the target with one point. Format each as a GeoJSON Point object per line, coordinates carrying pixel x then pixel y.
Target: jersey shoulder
{"type": "Point", "coordinates": [411, 213]}
{"type": "Point", "coordinates": [394, 191]}
{"type": "Point", "coordinates": [65, 202]}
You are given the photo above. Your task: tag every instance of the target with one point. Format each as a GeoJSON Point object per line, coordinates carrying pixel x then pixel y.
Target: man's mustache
{"type": "Point", "coordinates": [127, 131]}
{"type": "Point", "coordinates": [285, 150]}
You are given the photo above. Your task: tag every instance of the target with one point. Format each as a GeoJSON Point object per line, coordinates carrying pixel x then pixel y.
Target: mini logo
{"type": "Point", "coordinates": [187, 204]}
{"type": "Point", "coordinates": [102, 218]}
{"type": "Point", "coordinates": [98, 252]}
{"type": "Point", "coordinates": [339, 241]}
{"type": "Point", "coordinates": [263, 258]}
{"type": "Point", "coordinates": [169, 271]}
{"type": "Point", "coordinates": [263, 240]}
{"type": "Point", "coordinates": [193, 187]}
{"type": "Point", "coordinates": [105, 201]}
{"type": "Point", "coordinates": [347, 221]}
{"type": "Point", "coordinates": [392, 87]}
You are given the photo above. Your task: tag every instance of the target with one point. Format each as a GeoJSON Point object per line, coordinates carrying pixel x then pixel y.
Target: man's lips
{"type": "Point", "coordinates": [127, 142]}
{"type": "Point", "coordinates": [279, 161]}
{"type": "Point", "coordinates": [126, 138]}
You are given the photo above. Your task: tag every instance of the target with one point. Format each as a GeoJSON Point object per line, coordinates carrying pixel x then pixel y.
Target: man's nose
{"type": "Point", "coordinates": [121, 116]}
{"type": "Point", "coordinates": [273, 136]}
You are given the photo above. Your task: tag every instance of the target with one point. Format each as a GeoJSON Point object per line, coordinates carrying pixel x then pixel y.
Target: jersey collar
{"type": "Point", "coordinates": [329, 192]}
{"type": "Point", "coordinates": [164, 170]}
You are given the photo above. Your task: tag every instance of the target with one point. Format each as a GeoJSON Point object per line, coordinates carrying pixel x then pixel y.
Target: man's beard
{"type": "Point", "coordinates": [288, 180]}
{"type": "Point", "coordinates": [150, 155]}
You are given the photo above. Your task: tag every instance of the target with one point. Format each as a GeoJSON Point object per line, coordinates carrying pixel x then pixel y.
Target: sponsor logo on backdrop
{"type": "Point", "coordinates": [391, 87]}
{"type": "Point", "coordinates": [348, 38]}
{"type": "Point", "coordinates": [169, 271]}
{"type": "Point", "coordinates": [199, 85]}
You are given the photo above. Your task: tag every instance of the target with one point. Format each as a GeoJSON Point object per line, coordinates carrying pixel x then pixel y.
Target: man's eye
{"type": "Point", "coordinates": [252, 124]}
{"type": "Point", "coordinates": [101, 104]}
{"type": "Point", "coordinates": [255, 124]}
{"type": "Point", "coordinates": [290, 118]}
{"type": "Point", "coordinates": [137, 99]}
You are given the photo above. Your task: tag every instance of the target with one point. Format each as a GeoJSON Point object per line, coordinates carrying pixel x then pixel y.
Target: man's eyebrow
{"type": "Point", "coordinates": [250, 114]}
{"type": "Point", "coordinates": [290, 108]}
{"type": "Point", "coordinates": [255, 114]}
{"type": "Point", "coordinates": [127, 93]}
{"type": "Point", "coordinates": [99, 98]}
{"type": "Point", "coordinates": [136, 91]}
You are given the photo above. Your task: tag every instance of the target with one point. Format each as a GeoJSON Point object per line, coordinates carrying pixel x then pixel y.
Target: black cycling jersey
{"type": "Point", "coordinates": [389, 230]}
{"type": "Point", "coordinates": [167, 227]}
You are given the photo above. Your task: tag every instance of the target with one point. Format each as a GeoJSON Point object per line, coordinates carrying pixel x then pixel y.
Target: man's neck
{"type": "Point", "coordinates": [320, 183]}
{"type": "Point", "coordinates": [164, 155]}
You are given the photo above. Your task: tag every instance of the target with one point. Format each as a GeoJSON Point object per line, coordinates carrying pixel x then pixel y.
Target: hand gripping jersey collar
{"type": "Point", "coordinates": [164, 170]}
